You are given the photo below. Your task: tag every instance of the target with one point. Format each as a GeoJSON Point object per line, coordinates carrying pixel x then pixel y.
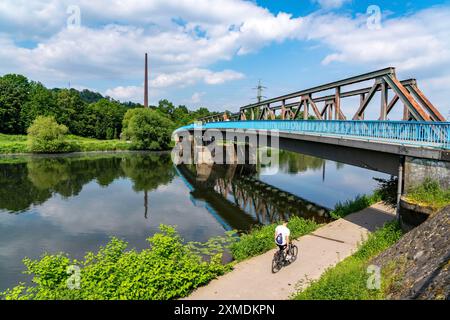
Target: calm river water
{"type": "Point", "coordinates": [75, 203]}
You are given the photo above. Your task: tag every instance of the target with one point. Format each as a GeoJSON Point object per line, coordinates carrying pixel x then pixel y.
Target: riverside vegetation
{"type": "Point", "coordinates": [91, 121]}
{"type": "Point", "coordinates": [347, 280]}
{"type": "Point", "coordinates": [169, 269]}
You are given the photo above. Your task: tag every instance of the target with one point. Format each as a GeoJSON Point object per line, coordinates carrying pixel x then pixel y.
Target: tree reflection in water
{"type": "Point", "coordinates": [34, 180]}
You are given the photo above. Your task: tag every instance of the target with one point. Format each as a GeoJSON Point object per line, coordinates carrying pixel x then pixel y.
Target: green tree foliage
{"type": "Point", "coordinates": [45, 135]}
{"type": "Point", "coordinates": [107, 118]}
{"type": "Point", "coordinates": [85, 113]}
{"type": "Point", "coordinates": [169, 269]}
{"type": "Point", "coordinates": [90, 96]}
{"type": "Point", "coordinates": [40, 102]}
{"type": "Point", "coordinates": [73, 112]}
{"type": "Point", "coordinates": [14, 91]}
{"type": "Point", "coordinates": [147, 129]}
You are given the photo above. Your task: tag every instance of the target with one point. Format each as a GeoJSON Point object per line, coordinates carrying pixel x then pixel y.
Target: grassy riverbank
{"type": "Point", "coordinates": [348, 279]}
{"type": "Point", "coordinates": [360, 202]}
{"type": "Point", "coordinates": [18, 144]}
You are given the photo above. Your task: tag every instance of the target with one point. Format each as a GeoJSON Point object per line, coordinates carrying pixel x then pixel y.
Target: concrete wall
{"type": "Point", "coordinates": [417, 170]}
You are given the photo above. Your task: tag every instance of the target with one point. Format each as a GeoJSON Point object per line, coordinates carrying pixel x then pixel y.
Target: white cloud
{"type": "Point", "coordinates": [185, 38]}
{"type": "Point", "coordinates": [331, 4]}
{"type": "Point", "coordinates": [129, 93]}
{"type": "Point", "coordinates": [417, 42]}
{"type": "Point", "coordinates": [197, 97]}
{"type": "Point", "coordinates": [114, 36]}
{"type": "Point", "coordinates": [193, 76]}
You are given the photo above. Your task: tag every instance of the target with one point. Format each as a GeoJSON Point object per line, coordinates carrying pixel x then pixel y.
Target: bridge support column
{"type": "Point", "coordinates": [417, 170]}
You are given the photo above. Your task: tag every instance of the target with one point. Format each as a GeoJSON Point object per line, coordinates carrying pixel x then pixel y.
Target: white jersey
{"type": "Point", "coordinates": [285, 232]}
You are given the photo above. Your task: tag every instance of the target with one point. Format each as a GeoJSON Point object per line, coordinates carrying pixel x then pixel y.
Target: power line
{"type": "Point", "coordinates": [260, 89]}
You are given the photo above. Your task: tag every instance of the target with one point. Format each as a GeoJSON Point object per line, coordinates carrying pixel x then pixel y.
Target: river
{"type": "Point", "coordinates": [75, 203]}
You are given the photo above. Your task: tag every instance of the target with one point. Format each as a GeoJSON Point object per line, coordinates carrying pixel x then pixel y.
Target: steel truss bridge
{"type": "Point", "coordinates": [315, 115]}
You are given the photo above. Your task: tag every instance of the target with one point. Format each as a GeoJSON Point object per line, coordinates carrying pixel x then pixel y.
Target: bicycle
{"type": "Point", "coordinates": [279, 258]}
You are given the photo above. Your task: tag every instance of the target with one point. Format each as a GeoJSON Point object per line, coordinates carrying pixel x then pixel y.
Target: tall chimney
{"type": "Point", "coordinates": [146, 83]}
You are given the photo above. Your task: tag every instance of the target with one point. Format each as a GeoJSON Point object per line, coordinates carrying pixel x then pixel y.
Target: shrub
{"type": "Point", "coordinates": [168, 269]}
{"type": "Point", "coordinates": [387, 190]}
{"type": "Point", "coordinates": [260, 239]}
{"type": "Point", "coordinates": [147, 129]}
{"type": "Point", "coordinates": [45, 135]}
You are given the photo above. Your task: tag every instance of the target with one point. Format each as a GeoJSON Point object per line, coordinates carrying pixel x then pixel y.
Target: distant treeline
{"type": "Point", "coordinates": [85, 113]}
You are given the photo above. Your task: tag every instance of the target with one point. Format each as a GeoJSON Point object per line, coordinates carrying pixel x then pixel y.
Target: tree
{"type": "Point", "coordinates": [108, 118]}
{"type": "Point", "coordinates": [166, 107]}
{"type": "Point", "coordinates": [90, 96]}
{"type": "Point", "coordinates": [148, 129]}
{"type": "Point", "coordinates": [72, 112]}
{"type": "Point", "coordinates": [45, 135]}
{"type": "Point", "coordinates": [14, 90]}
{"type": "Point", "coordinates": [41, 102]}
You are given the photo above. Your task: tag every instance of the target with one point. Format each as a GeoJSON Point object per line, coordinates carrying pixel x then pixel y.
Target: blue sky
{"type": "Point", "coordinates": [212, 53]}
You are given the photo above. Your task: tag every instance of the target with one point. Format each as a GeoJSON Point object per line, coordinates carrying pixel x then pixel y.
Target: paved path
{"type": "Point", "coordinates": [252, 279]}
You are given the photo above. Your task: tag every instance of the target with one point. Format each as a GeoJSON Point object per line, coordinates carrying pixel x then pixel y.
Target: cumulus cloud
{"type": "Point", "coordinates": [197, 97]}
{"type": "Point", "coordinates": [417, 42]}
{"type": "Point", "coordinates": [128, 93]}
{"type": "Point", "coordinates": [331, 4]}
{"type": "Point", "coordinates": [193, 76]}
{"type": "Point", "coordinates": [183, 38]}
{"type": "Point", "coordinates": [186, 38]}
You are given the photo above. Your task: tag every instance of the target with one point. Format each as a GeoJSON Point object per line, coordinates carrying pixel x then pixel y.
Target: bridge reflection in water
{"type": "Point", "coordinates": [238, 199]}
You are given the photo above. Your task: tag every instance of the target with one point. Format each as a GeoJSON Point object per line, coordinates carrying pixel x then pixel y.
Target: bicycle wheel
{"type": "Point", "coordinates": [293, 252]}
{"type": "Point", "coordinates": [277, 262]}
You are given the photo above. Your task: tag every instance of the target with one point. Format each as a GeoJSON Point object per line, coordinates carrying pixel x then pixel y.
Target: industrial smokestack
{"type": "Point", "coordinates": [146, 83]}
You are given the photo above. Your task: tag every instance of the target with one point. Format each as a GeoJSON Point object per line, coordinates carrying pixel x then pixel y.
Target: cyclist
{"type": "Point", "coordinates": [282, 234]}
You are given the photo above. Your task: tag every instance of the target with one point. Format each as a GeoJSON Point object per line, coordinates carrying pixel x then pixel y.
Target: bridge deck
{"type": "Point", "coordinates": [420, 134]}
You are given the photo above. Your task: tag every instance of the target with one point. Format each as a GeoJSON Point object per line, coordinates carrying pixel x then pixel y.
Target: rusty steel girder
{"type": "Point", "coordinates": [416, 105]}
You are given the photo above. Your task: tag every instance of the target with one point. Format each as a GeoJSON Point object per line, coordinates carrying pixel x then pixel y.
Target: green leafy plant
{"type": "Point", "coordinates": [169, 269]}
{"type": "Point", "coordinates": [147, 129]}
{"type": "Point", "coordinates": [45, 135]}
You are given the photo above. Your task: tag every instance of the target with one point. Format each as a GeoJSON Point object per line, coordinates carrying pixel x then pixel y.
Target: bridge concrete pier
{"type": "Point", "coordinates": [417, 170]}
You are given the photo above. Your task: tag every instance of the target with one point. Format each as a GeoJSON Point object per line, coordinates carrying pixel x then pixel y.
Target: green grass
{"type": "Point", "coordinates": [89, 144]}
{"type": "Point", "coordinates": [13, 143]}
{"type": "Point", "coordinates": [18, 144]}
{"type": "Point", "coordinates": [429, 193]}
{"type": "Point", "coordinates": [343, 209]}
{"type": "Point", "coordinates": [260, 239]}
{"type": "Point", "coordinates": [348, 279]}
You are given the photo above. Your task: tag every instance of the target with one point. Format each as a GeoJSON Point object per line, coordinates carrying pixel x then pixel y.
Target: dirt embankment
{"type": "Point", "coordinates": [418, 264]}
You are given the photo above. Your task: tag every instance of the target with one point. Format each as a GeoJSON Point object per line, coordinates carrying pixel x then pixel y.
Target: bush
{"type": "Point", "coordinates": [348, 279]}
{"type": "Point", "coordinates": [387, 190]}
{"type": "Point", "coordinates": [45, 135]}
{"type": "Point", "coordinates": [168, 269]}
{"type": "Point", "coordinates": [260, 239]}
{"type": "Point", "coordinates": [147, 129]}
